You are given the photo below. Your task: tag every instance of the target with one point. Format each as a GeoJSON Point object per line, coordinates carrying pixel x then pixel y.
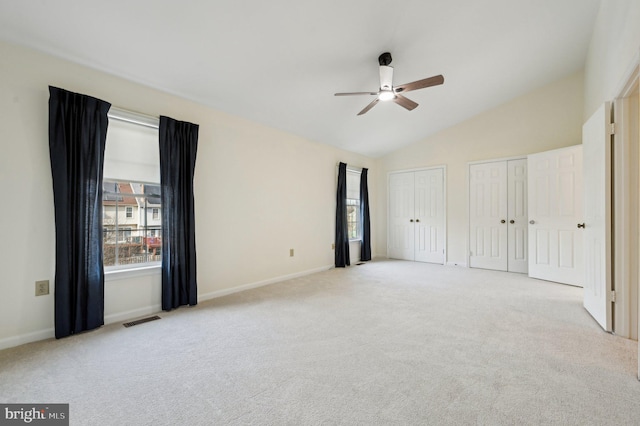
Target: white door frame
{"type": "Point", "coordinates": [469, 164]}
{"type": "Point", "coordinates": [626, 205]}
{"type": "Point", "coordinates": [443, 167]}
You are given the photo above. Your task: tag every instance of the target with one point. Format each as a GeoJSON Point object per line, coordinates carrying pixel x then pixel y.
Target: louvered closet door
{"type": "Point", "coordinates": [488, 216]}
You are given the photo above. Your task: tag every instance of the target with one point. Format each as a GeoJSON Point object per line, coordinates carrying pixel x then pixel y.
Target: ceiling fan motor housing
{"type": "Point", "coordinates": [384, 59]}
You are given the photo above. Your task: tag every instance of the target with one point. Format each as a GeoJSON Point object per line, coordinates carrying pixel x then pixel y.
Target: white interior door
{"type": "Point", "coordinates": [596, 139]}
{"type": "Point", "coordinates": [429, 216]}
{"type": "Point", "coordinates": [401, 216]}
{"type": "Point", "coordinates": [488, 215]}
{"type": "Point", "coordinates": [555, 210]}
{"type": "Point", "coordinates": [517, 216]}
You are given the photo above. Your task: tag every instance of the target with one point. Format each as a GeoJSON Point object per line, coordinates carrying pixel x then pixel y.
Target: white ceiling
{"type": "Point", "coordinates": [279, 62]}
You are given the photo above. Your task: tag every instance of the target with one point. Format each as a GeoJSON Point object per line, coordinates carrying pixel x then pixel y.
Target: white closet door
{"type": "Point", "coordinates": [488, 215]}
{"type": "Point", "coordinates": [401, 216]}
{"type": "Point", "coordinates": [517, 215]}
{"type": "Point", "coordinates": [555, 209]}
{"type": "Point", "coordinates": [429, 216]}
{"type": "Point", "coordinates": [596, 140]}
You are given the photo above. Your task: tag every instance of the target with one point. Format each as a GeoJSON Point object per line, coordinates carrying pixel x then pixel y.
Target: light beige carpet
{"type": "Point", "coordinates": [389, 342]}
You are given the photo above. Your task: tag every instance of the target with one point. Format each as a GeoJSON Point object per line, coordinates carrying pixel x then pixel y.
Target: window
{"type": "Point", "coordinates": [353, 205]}
{"type": "Point", "coordinates": [132, 232]}
{"type": "Point", "coordinates": [129, 239]}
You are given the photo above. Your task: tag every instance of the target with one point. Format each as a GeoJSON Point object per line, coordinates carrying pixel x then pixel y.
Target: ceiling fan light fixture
{"type": "Point", "coordinates": [386, 95]}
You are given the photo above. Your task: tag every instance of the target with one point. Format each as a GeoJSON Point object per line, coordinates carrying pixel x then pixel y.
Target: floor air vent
{"type": "Point", "coordinates": [141, 321]}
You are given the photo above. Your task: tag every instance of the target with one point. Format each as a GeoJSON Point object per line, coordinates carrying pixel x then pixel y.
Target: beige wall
{"type": "Point", "coordinates": [548, 118]}
{"type": "Point", "coordinates": [258, 191]}
{"type": "Point", "coordinates": [613, 51]}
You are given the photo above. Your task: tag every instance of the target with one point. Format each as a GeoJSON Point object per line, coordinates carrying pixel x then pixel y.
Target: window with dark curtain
{"type": "Point", "coordinates": [342, 228]}
{"type": "Point", "coordinates": [77, 136]}
{"type": "Point", "coordinates": [178, 147]}
{"type": "Point", "coordinates": [365, 247]}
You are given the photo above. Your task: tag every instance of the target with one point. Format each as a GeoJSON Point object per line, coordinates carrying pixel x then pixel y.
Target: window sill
{"type": "Point", "coordinates": [120, 274]}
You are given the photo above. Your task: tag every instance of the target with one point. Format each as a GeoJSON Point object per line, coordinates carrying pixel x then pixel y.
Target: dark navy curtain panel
{"type": "Point", "coordinates": [342, 233]}
{"type": "Point", "coordinates": [178, 147]}
{"type": "Point", "coordinates": [365, 247]}
{"type": "Point", "coordinates": [77, 135]}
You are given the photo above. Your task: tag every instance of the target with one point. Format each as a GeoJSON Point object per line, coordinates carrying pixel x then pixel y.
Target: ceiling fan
{"type": "Point", "coordinates": [389, 92]}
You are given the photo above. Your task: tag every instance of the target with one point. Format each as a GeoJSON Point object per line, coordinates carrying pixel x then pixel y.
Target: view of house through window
{"type": "Point", "coordinates": [132, 214]}
{"type": "Point", "coordinates": [353, 204]}
{"type": "Point", "coordinates": [131, 223]}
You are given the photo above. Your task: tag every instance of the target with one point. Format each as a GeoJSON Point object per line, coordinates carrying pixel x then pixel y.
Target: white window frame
{"type": "Point", "coordinates": [355, 202]}
{"type": "Point", "coordinates": [116, 272]}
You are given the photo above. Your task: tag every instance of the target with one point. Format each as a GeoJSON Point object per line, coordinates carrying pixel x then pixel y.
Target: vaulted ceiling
{"type": "Point", "coordinates": [279, 62]}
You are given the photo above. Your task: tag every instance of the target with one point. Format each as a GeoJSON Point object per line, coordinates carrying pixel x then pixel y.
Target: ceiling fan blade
{"type": "Point", "coordinates": [355, 93]}
{"type": "Point", "coordinates": [368, 107]}
{"type": "Point", "coordinates": [405, 102]}
{"type": "Point", "coordinates": [420, 84]}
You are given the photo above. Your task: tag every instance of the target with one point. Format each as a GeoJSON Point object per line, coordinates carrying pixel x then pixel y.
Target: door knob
{"type": "Point", "coordinates": [417, 220]}
{"type": "Point", "coordinates": [581, 225]}
{"type": "Point", "coordinates": [410, 220]}
{"type": "Point", "coordinates": [503, 221]}
{"type": "Point", "coordinates": [532, 222]}
{"type": "Point", "coordinates": [512, 221]}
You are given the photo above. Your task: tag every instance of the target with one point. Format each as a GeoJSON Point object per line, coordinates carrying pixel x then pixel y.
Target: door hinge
{"type": "Point", "coordinates": [612, 128]}
{"type": "Point", "coordinates": [613, 297]}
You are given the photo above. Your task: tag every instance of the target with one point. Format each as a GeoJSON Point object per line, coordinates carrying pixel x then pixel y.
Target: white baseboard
{"type": "Point", "coordinates": [10, 342]}
{"type": "Point", "coordinates": [461, 264]}
{"type": "Point", "coordinates": [35, 336]}
{"type": "Point", "coordinates": [227, 291]}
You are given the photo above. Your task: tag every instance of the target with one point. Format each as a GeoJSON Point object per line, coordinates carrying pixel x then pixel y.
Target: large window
{"type": "Point", "coordinates": [131, 222]}
{"type": "Point", "coordinates": [353, 205]}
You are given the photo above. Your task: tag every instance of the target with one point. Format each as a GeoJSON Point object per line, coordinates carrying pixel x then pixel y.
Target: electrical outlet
{"type": "Point", "coordinates": [333, 246]}
{"type": "Point", "coordinates": [290, 252]}
{"type": "Point", "coordinates": [42, 288]}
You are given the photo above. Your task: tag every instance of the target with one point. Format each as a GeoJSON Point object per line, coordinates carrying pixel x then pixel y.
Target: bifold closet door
{"type": "Point", "coordinates": [417, 216]}
{"type": "Point", "coordinates": [555, 211]}
{"type": "Point", "coordinates": [517, 213]}
{"type": "Point", "coordinates": [487, 216]}
{"type": "Point", "coordinates": [401, 216]}
{"type": "Point", "coordinates": [498, 215]}
{"type": "Point", "coordinates": [429, 215]}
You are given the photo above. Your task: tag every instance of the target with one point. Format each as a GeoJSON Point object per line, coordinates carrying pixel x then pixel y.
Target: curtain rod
{"type": "Point", "coordinates": [133, 117]}
{"type": "Point", "coordinates": [352, 168]}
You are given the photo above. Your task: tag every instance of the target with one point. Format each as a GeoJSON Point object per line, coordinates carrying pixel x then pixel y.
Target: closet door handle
{"type": "Point", "coordinates": [581, 225]}
{"type": "Point", "coordinates": [512, 221]}
{"type": "Point", "coordinates": [411, 220]}
{"type": "Point", "coordinates": [532, 222]}
{"type": "Point", "coordinates": [417, 220]}
{"type": "Point", "coordinates": [503, 221]}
